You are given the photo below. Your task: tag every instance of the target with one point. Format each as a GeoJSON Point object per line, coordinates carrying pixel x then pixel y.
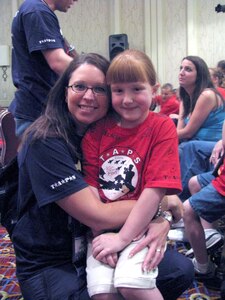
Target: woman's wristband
{"type": "Point", "coordinates": [159, 212]}
{"type": "Point", "coordinates": [167, 215]}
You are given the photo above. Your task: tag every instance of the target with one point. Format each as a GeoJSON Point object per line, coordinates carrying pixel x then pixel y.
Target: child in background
{"type": "Point", "coordinates": [208, 204]}
{"type": "Point", "coordinates": [221, 67]}
{"type": "Point", "coordinates": [218, 80]}
{"type": "Point", "coordinates": [130, 154]}
{"type": "Point", "coordinates": [167, 101]}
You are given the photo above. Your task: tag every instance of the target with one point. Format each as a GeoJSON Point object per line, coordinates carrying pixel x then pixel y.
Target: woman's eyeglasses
{"type": "Point", "coordinates": [82, 89]}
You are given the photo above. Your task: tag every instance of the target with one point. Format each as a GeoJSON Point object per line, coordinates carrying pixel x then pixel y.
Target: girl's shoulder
{"type": "Point", "coordinates": [105, 122]}
{"type": "Point", "coordinates": [159, 120]}
{"type": "Point", "coordinates": [97, 129]}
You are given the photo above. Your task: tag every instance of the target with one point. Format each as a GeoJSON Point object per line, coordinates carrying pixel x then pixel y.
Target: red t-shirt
{"type": "Point", "coordinates": [219, 182]}
{"type": "Point", "coordinates": [121, 162]}
{"type": "Point", "coordinates": [221, 91]}
{"type": "Point", "coordinates": [169, 106]}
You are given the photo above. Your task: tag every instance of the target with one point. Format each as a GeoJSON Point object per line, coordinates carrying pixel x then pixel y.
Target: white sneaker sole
{"type": "Point", "coordinates": [210, 246]}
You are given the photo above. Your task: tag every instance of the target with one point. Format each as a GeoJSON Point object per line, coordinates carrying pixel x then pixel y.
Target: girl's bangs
{"type": "Point", "coordinates": [126, 71]}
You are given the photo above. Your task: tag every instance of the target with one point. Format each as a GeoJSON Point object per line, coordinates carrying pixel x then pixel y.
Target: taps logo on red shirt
{"type": "Point", "coordinates": [118, 176]}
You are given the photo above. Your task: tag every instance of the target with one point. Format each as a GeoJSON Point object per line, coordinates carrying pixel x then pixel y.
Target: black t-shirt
{"type": "Point", "coordinates": [35, 28]}
{"type": "Point", "coordinates": [42, 237]}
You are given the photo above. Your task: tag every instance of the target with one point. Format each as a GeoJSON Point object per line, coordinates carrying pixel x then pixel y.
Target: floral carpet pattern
{"type": "Point", "coordinates": [197, 291]}
{"type": "Point", "coordinates": [9, 288]}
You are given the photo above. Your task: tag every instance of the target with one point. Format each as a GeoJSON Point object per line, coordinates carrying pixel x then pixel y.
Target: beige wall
{"type": "Point", "coordinates": [167, 30]}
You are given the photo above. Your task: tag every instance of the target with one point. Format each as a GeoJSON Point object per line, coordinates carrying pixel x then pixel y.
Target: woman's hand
{"type": "Point", "coordinates": [217, 152]}
{"type": "Point", "coordinates": [155, 240]}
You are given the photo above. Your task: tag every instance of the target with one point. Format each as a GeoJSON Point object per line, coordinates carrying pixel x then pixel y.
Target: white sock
{"type": "Point", "coordinates": [202, 268]}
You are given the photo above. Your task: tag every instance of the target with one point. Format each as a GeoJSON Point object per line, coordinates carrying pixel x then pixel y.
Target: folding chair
{"type": "Point", "coordinates": [10, 141]}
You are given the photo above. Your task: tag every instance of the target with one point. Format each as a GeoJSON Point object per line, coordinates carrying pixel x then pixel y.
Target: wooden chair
{"type": "Point", "coordinates": [10, 141]}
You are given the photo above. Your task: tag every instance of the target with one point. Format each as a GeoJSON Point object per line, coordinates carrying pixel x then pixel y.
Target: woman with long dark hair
{"type": "Point", "coordinates": [202, 111]}
{"type": "Point", "coordinates": [54, 201]}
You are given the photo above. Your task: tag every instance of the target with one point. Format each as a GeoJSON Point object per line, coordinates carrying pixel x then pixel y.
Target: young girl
{"type": "Point", "coordinates": [130, 154]}
{"type": "Point", "coordinates": [208, 203]}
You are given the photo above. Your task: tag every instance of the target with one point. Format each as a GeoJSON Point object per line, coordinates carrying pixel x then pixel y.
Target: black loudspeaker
{"type": "Point", "coordinates": [117, 43]}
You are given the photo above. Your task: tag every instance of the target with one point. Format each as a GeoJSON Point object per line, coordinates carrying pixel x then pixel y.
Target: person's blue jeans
{"type": "Point", "coordinates": [176, 273]}
{"type": "Point", "coordinates": [194, 160]}
{"type": "Point", "coordinates": [56, 283]}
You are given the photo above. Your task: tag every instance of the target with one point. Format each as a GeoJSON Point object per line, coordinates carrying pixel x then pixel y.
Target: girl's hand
{"type": "Point", "coordinates": [110, 259]}
{"type": "Point", "coordinates": [105, 244]}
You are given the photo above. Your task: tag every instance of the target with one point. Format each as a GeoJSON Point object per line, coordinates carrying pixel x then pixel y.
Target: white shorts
{"type": "Point", "coordinates": [101, 278]}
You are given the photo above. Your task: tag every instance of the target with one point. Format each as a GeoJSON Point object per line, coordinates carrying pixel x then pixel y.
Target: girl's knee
{"type": "Point", "coordinates": [193, 185]}
{"type": "Point", "coordinates": [106, 297]}
{"type": "Point", "coordinates": [189, 213]}
{"type": "Point", "coordinates": [127, 293]}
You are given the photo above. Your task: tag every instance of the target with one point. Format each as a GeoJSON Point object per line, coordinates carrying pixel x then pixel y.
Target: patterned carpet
{"type": "Point", "coordinates": [197, 291]}
{"type": "Point", "coordinates": [9, 288]}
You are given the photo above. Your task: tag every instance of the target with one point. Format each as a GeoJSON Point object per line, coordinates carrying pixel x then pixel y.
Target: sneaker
{"type": "Point", "coordinates": [213, 284]}
{"type": "Point", "coordinates": [213, 241]}
{"type": "Point", "coordinates": [177, 234]}
{"type": "Point", "coordinates": [204, 276]}
{"type": "Point", "coordinates": [179, 224]}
